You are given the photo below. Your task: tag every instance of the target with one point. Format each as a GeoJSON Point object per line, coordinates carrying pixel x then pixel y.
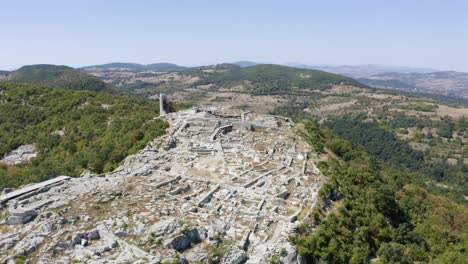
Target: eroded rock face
{"type": "Point", "coordinates": [179, 199]}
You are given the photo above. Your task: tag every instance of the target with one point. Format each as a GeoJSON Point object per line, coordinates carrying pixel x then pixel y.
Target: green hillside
{"type": "Point", "coordinates": [98, 130]}
{"type": "Point", "coordinates": [276, 79]}
{"type": "Point", "coordinates": [372, 212]}
{"type": "Point", "coordinates": [59, 77]}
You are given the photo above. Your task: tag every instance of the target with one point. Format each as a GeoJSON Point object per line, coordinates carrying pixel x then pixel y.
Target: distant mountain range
{"type": "Point", "coordinates": [360, 71]}
{"type": "Point", "coordinates": [164, 67]}
{"type": "Point", "coordinates": [245, 63]}
{"type": "Point", "coordinates": [449, 83]}
{"type": "Point", "coordinates": [424, 80]}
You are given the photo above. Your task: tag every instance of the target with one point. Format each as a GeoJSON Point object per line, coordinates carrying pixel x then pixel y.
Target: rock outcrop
{"type": "Point", "coordinates": [20, 155]}
{"type": "Point", "coordinates": [209, 184]}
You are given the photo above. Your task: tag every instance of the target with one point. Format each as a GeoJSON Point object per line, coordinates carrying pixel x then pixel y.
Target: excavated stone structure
{"type": "Point", "coordinates": [189, 196]}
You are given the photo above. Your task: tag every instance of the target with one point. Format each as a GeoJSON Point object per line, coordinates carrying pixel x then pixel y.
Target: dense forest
{"type": "Point", "coordinates": [378, 142]}
{"type": "Point", "coordinates": [423, 167]}
{"type": "Point", "coordinates": [72, 130]}
{"type": "Point", "coordinates": [372, 211]}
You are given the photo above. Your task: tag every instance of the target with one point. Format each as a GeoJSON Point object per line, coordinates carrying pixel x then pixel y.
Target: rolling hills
{"type": "Point", "coordinates": [276, 79]}
{"type": "Point", "coordinates": [448, 83]}
{"type": "Point", "coordinates": [361, 71]}
{"type": "Point", "coordinates": [59, 77]}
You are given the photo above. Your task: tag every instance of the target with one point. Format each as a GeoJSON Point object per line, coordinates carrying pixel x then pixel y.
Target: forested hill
{"type": "Point", "coordinates": [276, 79]}
{"type": "Point", "coordinates": [372, 212]}
{"type": "Point", "coordinates": [71, 130]}
{"type": "Point", "coordinates": [59, 77]}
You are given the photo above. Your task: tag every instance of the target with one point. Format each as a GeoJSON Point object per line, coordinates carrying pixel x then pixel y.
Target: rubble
{"type": "Point", "coordinates": [207, 183]}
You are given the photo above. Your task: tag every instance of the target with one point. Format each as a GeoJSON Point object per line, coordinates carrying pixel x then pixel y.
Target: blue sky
{"type": "Point", "coordinates": [418, 33]}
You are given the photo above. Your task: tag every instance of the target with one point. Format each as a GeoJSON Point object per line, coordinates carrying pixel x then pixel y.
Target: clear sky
{"type": "Point", "coordinates": [422, 33]}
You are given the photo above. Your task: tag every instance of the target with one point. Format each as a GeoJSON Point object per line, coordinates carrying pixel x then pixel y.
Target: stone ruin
{"type": "Point", "coordinates": [163, 105]}
{"type": "Point", "coordinates": [218, 187]}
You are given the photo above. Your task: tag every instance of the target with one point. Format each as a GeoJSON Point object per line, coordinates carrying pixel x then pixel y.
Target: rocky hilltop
{"type": "Point", "coordinates": [218, 188]}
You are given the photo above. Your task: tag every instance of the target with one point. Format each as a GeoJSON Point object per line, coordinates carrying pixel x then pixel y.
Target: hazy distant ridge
{"type": "Point", "coordinates": [138, 67]}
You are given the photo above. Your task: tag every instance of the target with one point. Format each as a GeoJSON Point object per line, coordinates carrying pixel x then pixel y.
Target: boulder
{"type": "Point", "coordinates": [283, 194]}
{"type": "Point", "coordinates": [182, 242]}
{"type": "Point", "coordinates": [94, 235]}
{"type": "Point", "coordinates": [167, 226]}
{"type": "Point", "coordinates": [77, 238]}
{"type": "Point", "coordinates": [20, 216]}
{"type": "Point", "coordinates": [234, 256]}
{"type": "Point", "coordinates": [121, 233]}
{"type": "Point", "coordinates": [114, 244]}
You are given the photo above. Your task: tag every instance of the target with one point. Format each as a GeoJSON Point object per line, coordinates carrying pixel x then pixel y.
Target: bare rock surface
{"type": "Point", "coordinates": [20, 155]}
{"type": "Point", "coordinates": [213, 188]}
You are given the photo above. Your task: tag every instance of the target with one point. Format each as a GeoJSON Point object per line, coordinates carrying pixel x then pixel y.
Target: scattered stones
{"type": "Point", "coordinates": [8, 242]}
{"type": "Point", "coordinates": [199, 182]}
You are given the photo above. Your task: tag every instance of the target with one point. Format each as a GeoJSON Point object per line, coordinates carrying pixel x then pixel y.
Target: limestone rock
{"type": "Point", "coordinates": [22, 154]}
{"type": "Point", "coordinates": [29, 244]}
{"type": "Point", "coordinates": [6, 190]}
{"type": "Point", "coordinates": [182, 242]}
{"type": "Point", "coordinates": [164, 227]}
{"type": "Point", "coordinates": [93, 235]}
{"type": "Point", "coordinates": [8, 242]}
{"type": "Point", "coordinates": [234, 256]}
{"type": "Point", "coordinates": [290, 256]}
{"type": "Point", "coordinates": [20, 216]}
